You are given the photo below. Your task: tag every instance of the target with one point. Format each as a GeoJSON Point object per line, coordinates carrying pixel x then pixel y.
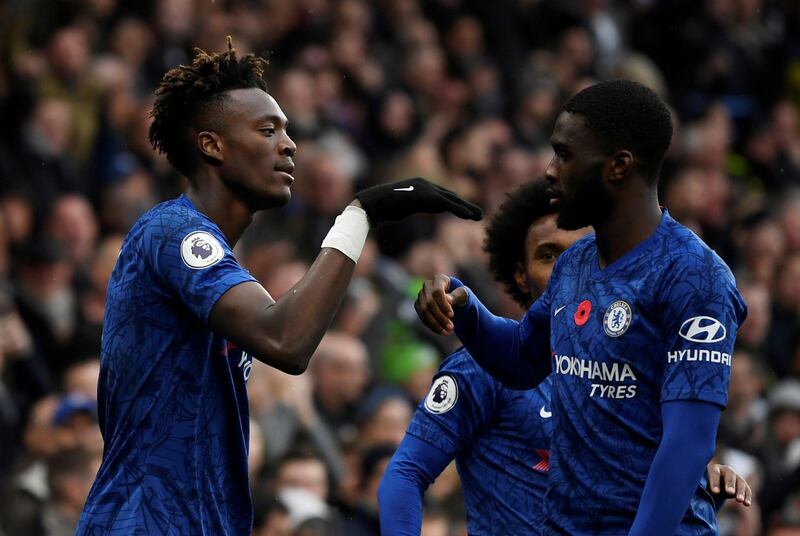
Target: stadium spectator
{"type": "Point", "coordinates": [272, 518]}
{"type": "Point", "coordinates": [361, 517]}
{"type": "Point", "coordinates": [383, 416]}
{"type": "Point", "coordinates": [47, 301]}
{"type": "Point", "coordinates": [340, 376]}
{"type": "Point", "coordinates": [782, 455]}
{"type": "Point", "coordinates": [72, 222]}
{"type": "Point", "coordinates": [81, 378]}
{"type": "Point", "coordinates": [283, 407]}
{"type": "Point", "coordinates": [302, 470]}
{"type": "Point", "coordinates": [70, 474]}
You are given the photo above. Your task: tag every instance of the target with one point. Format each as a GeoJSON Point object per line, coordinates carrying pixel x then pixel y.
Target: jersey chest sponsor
{"type": "Point", "coordinates": [607, 380]}
{"type": "Point", "coordinates": [593, 370]}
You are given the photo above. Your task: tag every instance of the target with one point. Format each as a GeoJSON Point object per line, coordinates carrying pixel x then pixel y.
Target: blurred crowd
{"type": "Point", "coordinates": [463, 92]}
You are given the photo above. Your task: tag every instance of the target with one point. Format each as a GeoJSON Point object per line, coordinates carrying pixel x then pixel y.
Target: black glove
{"type": "Point", "coordinates": [396, 201]}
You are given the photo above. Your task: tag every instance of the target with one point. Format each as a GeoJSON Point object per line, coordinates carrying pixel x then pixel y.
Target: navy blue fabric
{"type": "Point", "coordinates": [688, 443]}
{"type": "Point", "coordinates": [499, 438]}
{"type": "Point", "coordinates": [655, 326]}
{"type": "Point", "coordinates": [414, 465]}
{"type": "Point", "coordinates": [172, 394]}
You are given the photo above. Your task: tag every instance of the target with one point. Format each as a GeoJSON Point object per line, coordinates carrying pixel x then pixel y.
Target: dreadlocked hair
{"type": "Point", "coordinates": [186, 91]}
{"type": "Point", "coordinates": [507, 233]}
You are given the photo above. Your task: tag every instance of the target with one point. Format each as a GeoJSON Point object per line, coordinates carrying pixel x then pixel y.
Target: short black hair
{"type": "Point", "coordinates": [74, 462]}
{"type": "Point", "coordinates": [507, 232]}
{"type": "Point", "coordinates": [624, 114]}
{"type": "Point", "coordinates": [186, 91]}
{"type": "Point", "coordinates": [371, 459]}
{"type": "Point", "coordinates": [302, 453]}
{"type": "Point", "coordinates": [264, 506]}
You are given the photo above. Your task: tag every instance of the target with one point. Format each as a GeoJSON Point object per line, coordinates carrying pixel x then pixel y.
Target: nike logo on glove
{"type": "Point", "coordinates": [544, 414]}
{"type": "Point", "coordinates": [406, 189]}
{"type": "Point", "coordinates": [559, 310]}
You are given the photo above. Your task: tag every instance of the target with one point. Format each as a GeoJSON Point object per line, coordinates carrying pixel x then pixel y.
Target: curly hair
{"type": "Point", "coordinates": [507, 233]}
{"type": "Point", "coordinates": [624, 114]}
{"type": "Point", "coordinates": [187, 91]}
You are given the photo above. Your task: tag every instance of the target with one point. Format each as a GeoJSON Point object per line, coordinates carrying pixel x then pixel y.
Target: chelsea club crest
{"type": "Point", "coordinates": [617, 318]}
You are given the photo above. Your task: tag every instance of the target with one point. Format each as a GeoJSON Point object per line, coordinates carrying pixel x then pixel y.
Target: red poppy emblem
{"type": "Point", "coordinates": [582, 313]}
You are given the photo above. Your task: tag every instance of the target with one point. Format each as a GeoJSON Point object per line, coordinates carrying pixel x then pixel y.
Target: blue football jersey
{"type": "Point", "coordinates": [172, 395]}
{"type": "Point", "coordinates": [499, 438]}
{"type": "Point", "coordinates": [656, 325]}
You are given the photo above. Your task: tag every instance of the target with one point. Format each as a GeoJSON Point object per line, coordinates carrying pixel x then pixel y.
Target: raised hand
{"type": "Point", "coordinates": [434, 304]}
{"type": "Point", "coordinates": [396, 201]}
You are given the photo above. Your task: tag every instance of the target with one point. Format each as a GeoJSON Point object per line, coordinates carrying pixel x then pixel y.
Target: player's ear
{"type": "Point", "coordinates": [620, 165]}
{"type": "Point", "coordinates": [521, 279]}
{"type": "Point", "coordinates": [211, 147]}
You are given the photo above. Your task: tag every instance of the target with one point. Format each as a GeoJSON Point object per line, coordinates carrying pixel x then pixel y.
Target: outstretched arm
{"type": "Point", "coordinates": [516, 353]}
{"type": "Point", "coordinates": [415, 464]}
{"type": "Point", "coordinates": [285, 333]}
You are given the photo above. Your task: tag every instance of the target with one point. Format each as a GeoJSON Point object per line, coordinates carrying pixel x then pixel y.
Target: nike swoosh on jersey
{"type": "Point", "coordinates": [544, 414]}
{"type": "Point", "coordinates": [406, 189]}
{"type": "Point", "coordinates": [559, 310]}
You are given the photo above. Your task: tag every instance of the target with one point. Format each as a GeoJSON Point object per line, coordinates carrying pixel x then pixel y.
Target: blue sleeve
{"type": "Point", "coordinates": [413, 467]}
{"type": "Point", "coordinates": [462, 399]}
{"type": "Point", "coordinates": [516, 353]}
{"type": "Point", "coordinates": [687, 444]}
{"type": "Point", "coordinates": [193, 261]}
{"type": "Point", "coordinates": [702, 311]}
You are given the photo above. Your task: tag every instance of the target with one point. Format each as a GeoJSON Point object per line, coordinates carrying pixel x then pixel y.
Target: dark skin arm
{"type": "Point", "coordinates": [285, 333]}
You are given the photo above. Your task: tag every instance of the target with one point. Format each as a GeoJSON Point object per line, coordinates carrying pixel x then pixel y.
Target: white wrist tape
{"type": "Point", "coordinates": [349, 232]}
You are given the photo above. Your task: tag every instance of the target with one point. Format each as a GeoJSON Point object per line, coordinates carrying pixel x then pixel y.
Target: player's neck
{"type": "Point", "coordinates": [213, 199]}
{"type": "Point", "coordinates": [631, 223]}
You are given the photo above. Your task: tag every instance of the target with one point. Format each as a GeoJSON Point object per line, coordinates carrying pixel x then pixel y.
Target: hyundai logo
{"type": "Point", "coordinates": [703, 329]}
